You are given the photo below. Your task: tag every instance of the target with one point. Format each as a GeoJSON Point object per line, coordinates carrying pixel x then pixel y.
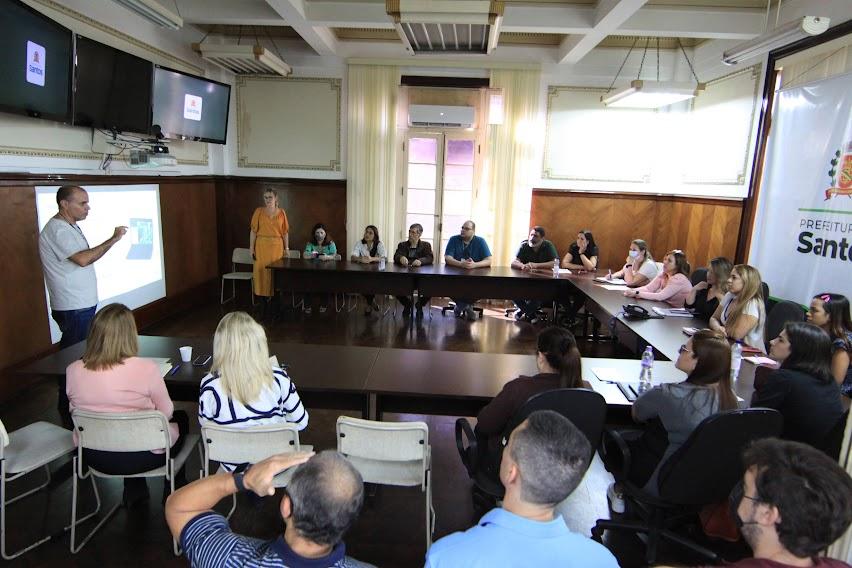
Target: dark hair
{"type": "Point", "coordinates": [721, 266]}
{"type": "Point", "coordinates": [313, 238]}
{"type": "Point", "coordinates": [326, 493]}
{"type": "Point", "coordinates": [713, 365]}
{"type": "Point", "coordinates": [681, 264]}
{"type": "Point", "coordinates": [417, 226]}
{"type": "Point", "coordinates": [375, 246]}
{"type": "Point", "coordinates": [839, 318]}
{"type": "Point", "coordinates": [65, 192]}
{"type": "Point", "coordinates": [589, 237]}
{"type": "Point", "coordinates": [539, 230]}
{"type": "Point", "coordinates": [559, 347]}
{"type": "Point", "coordinates": [812, 493]}
{"type": "Point", "coordinates": [810, 351]}
{"type": "Point", "coordinates": [552, 455]}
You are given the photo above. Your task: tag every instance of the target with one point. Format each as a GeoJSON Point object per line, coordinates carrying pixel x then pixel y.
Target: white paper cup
{"type": "Point", "coordinates": [186, 353]}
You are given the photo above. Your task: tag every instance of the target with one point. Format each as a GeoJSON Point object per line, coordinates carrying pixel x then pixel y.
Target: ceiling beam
{"type": "Point", "coordinates": [609, 15]}
{"type": "Point", "coordinates": [257, 13]}
{"type": "Point", "coordinates": [321, 39]}
{"type": "Point", "coordinates": [348, 15]}
{"type": "Point", "coordinates": [716, 23]}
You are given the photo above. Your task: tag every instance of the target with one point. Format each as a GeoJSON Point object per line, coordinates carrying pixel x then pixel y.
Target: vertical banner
{"type": "Point", "coordinates": [802, 239]}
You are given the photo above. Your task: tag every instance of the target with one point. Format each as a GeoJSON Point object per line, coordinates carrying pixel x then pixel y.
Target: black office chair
{"type": "Point", "coordinates": [698, 275]}
{"type": "Point", "coordinates": [452, 306]}
{"type": "Point", "coordinates": [833, 441]}
{"type": "Point", "coordinates": [701, 472]}
{"type": "Point", "coordinates": [585, 408]}
{"type": "Point", "coordinates": [764, 288]}
{"type": "Point", "coordinates": [780, 314]}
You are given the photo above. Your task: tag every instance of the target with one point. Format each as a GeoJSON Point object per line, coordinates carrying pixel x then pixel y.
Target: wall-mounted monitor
{"type": "Point", "coordinates": [35, 63]}
{"type": "Point", "coordinates": [113, 88]}
{"type": "Point", "coordinates": [188, 107]}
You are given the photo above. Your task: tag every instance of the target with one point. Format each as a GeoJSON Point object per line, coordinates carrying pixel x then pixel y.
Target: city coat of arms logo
{"type": "Point", "coordinates": [840, 173]}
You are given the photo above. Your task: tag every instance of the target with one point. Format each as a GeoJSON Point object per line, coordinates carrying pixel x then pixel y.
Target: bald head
{"type": "Point", "coordinates": [326, 494]}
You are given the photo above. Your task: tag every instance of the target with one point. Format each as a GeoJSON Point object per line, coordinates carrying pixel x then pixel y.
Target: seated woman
{"type": "Point", "coordinates": [671, 285]}
{"type": "Point", "coordinates": [583, 254]}
{"type": "Point", "coordinates": [673, 410]}
{"type": "Point", "coordinates": [831, 312]}
{"type": "Point", "coordinates": [242, 389]}
{"type": "Point", "coordinates": [558, 362]}
{"type": "Point", "coordinates": [705, 296]}
{"type": "Point", "coordinates": [319, 247]}
{"type": "Point", "coordinates": [741, 314]}
{"type": "Point", "coordinates": [111, 378]}
{"type": "Point", "coordinates": [368, 250]}
{"type": "Point", "coordinates": [640, 268]}
{"type": "Point", "coordinates": [802, 389]}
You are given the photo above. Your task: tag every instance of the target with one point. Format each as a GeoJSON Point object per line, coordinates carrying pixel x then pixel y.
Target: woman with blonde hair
{"type": "Point", "coordinates": [269, 239]}
{"type": "Point", "coordinates": [640, 268]}
{"type": "Point", "coordinates": [112, 378]}
{"type": "Point", "coordinates": [742, 313]}
{"type": "Point", "coordinates": [243, 389]}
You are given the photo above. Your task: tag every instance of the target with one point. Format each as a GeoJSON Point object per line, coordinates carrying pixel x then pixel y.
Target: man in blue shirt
{"type": "Point", "coordinates": [468, 251]}
{"type": "Point", "coordinates": [321, 502]}
{"type": "Point", "coordinates": [544, 461]}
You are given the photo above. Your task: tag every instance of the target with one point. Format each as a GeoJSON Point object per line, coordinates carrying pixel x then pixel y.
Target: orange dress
{"type": "Point", "coordinates": [268, 247]}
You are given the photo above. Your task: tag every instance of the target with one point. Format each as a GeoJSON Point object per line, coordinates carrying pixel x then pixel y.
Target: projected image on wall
{"type": "Point", "coordinates": [131, 272]}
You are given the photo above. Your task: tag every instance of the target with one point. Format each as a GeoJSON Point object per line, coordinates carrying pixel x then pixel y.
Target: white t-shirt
{"type": "Point", "coordinates": [71, 286]}
{"type": "Point", "coordinates": [754, 338]}
{"type": "Point", "coordinates": [649, 269]}
{"type": "Point", "coordinates": [363, 250]}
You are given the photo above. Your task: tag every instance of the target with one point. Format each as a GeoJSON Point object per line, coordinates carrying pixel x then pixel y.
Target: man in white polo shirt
{"type": "Point", "coordinates": [69, 271]}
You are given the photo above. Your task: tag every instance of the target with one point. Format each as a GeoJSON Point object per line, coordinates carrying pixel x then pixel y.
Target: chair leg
{"type": "Point", "coordinates": [10, 555]}
{"type": "Point", "coordinates": [430, 511]}
{"type": "Point", "coordinates": [75, 548]}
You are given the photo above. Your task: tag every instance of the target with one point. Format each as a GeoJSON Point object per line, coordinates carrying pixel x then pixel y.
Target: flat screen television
{"type": "Point", "coordinates": [112, 88]}
{"type": "Point", "coordinates": [35, 63]}
{"type": "Point", "coordinates": [187, 107]}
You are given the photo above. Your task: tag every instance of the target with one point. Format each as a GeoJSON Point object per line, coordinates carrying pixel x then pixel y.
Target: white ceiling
{"type": "Point", "coordinates": [567, 30]}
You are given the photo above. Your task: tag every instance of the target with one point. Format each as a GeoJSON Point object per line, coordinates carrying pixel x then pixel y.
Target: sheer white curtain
{"type": "Point", "coordinates": [502, 205]}
{"type": "Point", "coordinates": [371, 195]}
{"type": "Point", "coordinates": [842, 549]}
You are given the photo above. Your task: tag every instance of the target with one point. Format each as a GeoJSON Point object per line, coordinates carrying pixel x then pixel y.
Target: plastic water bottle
{"type": "Point", "coordinates": [736, 359]}
{"type": "Point", "coordinates": [382, 263]}
{"type": "Point", "coordinates": [646, 378]}
{"type": "Point", "coordinates": [556, 268]}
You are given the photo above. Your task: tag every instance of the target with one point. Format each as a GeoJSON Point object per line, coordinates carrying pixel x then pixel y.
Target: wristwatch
{"type": "Point", "coordinates": [238, 481]}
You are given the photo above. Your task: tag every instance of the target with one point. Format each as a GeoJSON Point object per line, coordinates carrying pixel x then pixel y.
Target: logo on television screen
{"type": "Point", "coordinates": [35, 64]}
{"type": "Point", "coordinates": [192, 107]}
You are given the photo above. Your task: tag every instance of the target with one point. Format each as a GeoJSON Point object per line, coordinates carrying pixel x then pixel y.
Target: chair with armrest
{"type": "Point", "coordinates": [702, 471]}
{"type": "Point", "coordinates": [780, 315]}
{"type": "Point", "coordinates": [239, 256]}
{"type": "Point", "coordinates": [33, 447]}
{"type": "Point", "coordinates": [698, 275]}
{"type": "Point", "coordinates": [247, 445]}
{"type": "Point", "coordinates": [390, 453]}
{"type": "Point", "coordinates": [122, 432]}
{"type": "Point", "coordinates": [585, 408]}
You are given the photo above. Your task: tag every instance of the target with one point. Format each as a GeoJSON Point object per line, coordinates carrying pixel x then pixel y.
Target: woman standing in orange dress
{"type": "Point", "coordinates": [268, 242]}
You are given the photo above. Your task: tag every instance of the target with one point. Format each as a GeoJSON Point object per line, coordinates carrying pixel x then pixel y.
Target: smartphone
{"type": "Point", "coordinates": [201, 360]}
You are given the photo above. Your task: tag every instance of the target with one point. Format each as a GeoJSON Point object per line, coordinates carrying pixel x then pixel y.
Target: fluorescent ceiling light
{"type": "Point", "coordinates": [779, 37]}
{"type": "Point", "coordinates": [155, 12]}
{"type": "Point", "coordinates": [652, 94]}
{"type": "Point", "coordinates": [243, 59]}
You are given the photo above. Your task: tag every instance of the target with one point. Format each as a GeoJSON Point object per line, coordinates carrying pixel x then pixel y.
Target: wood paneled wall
{"type": "Point", "coordinates": [703, 228]}
{"type": "Point", "coordinates": [306, 202]}
{"type": "Point", "coordinates": [189, 247]}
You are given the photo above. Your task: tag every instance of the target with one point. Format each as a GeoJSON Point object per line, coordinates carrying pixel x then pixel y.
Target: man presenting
{"type": "Point", "coordinates": [544, 461]}
{"type": "Point", "coordinates": [413, 253]}
{"type": "Point", "coordinates": [321, 502]}
{"type": "Point", "coordinates": [536, 253]}
{"type": "Point", "coordinates": [468, 251]}
{"type": "Point", "coordinates": [69, 271]}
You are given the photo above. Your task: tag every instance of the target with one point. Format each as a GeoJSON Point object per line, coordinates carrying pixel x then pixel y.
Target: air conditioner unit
{"type": "Point", "coordinates": [440, 115]}
{"type": "Point", "coordinates": [155, 12]}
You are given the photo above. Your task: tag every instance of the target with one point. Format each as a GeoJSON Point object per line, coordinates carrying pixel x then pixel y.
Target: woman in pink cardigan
{"type": "Point", "coordinates": [111, 378]}
{"type": "Point", "coordinates": [672, 285]}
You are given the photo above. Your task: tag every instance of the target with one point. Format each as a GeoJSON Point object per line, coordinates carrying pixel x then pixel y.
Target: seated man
{"type": "Point", "coordinates": [413, 253]}
{"type": "Point", "coordinates": [544, 461]}
{"type": "Point", "coordinates": [466, 250]}
{"type": "Point", "coordinates": [536, 253]}
{"type": "Point", "coordinates": [321, 502]}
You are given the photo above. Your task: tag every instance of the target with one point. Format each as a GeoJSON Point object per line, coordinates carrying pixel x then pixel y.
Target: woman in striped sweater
{"type": "Point", "coordinates": [242, 389]}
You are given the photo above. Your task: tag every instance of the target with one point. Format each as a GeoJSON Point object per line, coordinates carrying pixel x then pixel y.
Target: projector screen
{"type": "Point", "coordinates": [132, 271]}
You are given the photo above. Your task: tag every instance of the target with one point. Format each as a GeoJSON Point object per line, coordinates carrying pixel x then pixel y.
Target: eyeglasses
{"type": "Point", "coordinates": [683, 349]}
{"type": "Point", "coordinates": [466, 228]}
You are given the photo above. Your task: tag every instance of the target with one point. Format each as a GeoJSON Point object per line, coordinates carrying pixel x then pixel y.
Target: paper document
{"type": "Point", "coordinates": [564, 271]}
{"type": "Point", "coordinates": [612, 287]}
{"type": "Point", "coordinates": [758, 360]}
{"type": "Point", "coordinates": [607, 374]}
{"type": "Point", "coordinates": [616, 281]}
{"type": "Point", "coordinates": [163, 362]}
{"type": "Point", "coordinates": [673, 312]}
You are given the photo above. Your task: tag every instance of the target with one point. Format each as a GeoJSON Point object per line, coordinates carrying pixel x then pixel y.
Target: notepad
{"type": "Point", "coordinates": [758, 360]}
{"type": "Point", "coordinates": [614, 281]}
{"type": "Point", "coordinates": [673, 312]}
{"type": "Point", "coordinates": [617, 287]}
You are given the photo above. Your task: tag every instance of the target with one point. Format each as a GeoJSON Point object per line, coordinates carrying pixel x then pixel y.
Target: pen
{"type": "Point", "coordinates": [174, 370]}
